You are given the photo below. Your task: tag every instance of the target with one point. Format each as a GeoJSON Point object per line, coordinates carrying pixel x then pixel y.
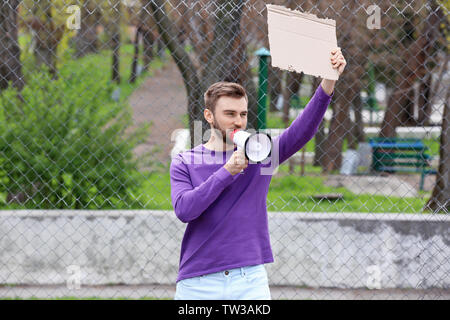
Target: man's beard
{"type": "Point", "coordinates": [223, 133]}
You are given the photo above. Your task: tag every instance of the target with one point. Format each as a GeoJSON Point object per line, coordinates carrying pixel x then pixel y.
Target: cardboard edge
{"type": "Point", "coordinates": [309, 74]}
{"type": "Point", "coordinates": [310, 16]}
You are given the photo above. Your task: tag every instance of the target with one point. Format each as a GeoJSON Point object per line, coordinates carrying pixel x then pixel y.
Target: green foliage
{"type": "Point", "coordinates": [3, 180]}
{"type": "Point", "coordinates": [64, 50]}
{"type": "Point", "coordinates": [65, 144]}
{"type": "Point", "coordinates": [293, 192]}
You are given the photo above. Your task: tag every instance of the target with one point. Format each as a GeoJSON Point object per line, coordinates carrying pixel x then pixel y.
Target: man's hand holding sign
{"type": "Point", "coordinates": [338, 62]}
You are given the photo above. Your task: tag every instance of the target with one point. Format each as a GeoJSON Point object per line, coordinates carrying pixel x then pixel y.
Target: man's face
{"type": "Point", "coordinates": [230, 113]}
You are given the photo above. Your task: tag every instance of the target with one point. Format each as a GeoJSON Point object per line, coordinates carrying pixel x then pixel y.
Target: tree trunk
{"type": "Point", "coordinates": [341, 126]}
{"type": "Point", "coordinates": [293, 81]}
{"type": "Point", "coordinates": [115, 39]}
{"type": "Point", "coordinates": [135, 56]}
{"type": "Point", "coordinates": [86, 38]}
{"type": "Point", "coordinates": [436, 90]}
{"type": "Point", "coordinates": [240, 72]}
{"type": "Point", "coordinates": [200, 34]}
{"type": "Point", "coordinates": [432, 35]}
{"type": "Point", "coordinates": [160, 47]}
{"type": "Point", "coordinates": [10, 65]}
{"type": "Point", "coordinates": [184, 64]}
{"type": "Point", "coordinates": [359, 122]}
{"type": "Point", "coordinates": [146, 23]}
{"type": "Point", "coordinates": [320, 137]}
{"type": "Point", "coordinates": [336, 133]}
{"type": "Point", "coordinates": [46, 36]}
{"type": "Point", "coordinates": [147, 51]}
{"type": "Point", "coordinates": [319, 140]}
{"type": "Point", "coordinates": [394, 110]}
{"type": "Point", "coordinates": [440, 198]}
{"type": "Point", "coordinates": [351, 137]}
{"type": "Point", "coordinates": [227, 28]}
{"type": "Point", "coordinates": [274, 83]}
{"type": "Point", "coordinates": [400, 110]}
{"type": "Point", "coordinates": [353, 127]}
{"type": "Point", "coordinates": [346, 92]}
{"type": "Point", "coordinates": [424, 101]}
{"type": "Point", "coordinates": [116, 58]}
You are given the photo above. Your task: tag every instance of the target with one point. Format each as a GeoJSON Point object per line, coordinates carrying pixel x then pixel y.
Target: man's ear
{"type": "Point", "coordinates": [208, 115]}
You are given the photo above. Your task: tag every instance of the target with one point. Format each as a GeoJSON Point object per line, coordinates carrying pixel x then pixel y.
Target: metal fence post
{"type": "Point", "coordinates": [262, 53]}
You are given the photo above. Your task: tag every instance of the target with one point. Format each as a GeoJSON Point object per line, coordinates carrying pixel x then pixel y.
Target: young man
{"type": "Point", "coordinates": [226, 242]}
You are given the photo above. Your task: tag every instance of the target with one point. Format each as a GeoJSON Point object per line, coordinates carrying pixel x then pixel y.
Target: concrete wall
{"type": "Point", "coordinates": [350, 250]}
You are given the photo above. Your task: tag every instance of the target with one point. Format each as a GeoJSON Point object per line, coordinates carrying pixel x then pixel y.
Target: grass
{"type": "Point", "coordinates": [103, 61]}
{"type": "Point", "coordinates": [292, 193]}
{"type": "Point", "coordinates": [295, 193]}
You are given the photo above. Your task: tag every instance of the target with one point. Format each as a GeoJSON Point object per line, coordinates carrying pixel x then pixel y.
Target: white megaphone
{"type": "Point", "coordinates": [257, 146]}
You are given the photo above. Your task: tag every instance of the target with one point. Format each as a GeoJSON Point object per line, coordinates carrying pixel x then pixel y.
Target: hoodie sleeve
{"type": "Point", "coordinates": [189, 202]}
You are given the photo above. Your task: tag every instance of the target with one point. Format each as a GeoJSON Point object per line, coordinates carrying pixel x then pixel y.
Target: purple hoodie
{"type": "Point", "coordinates": [226, 215]}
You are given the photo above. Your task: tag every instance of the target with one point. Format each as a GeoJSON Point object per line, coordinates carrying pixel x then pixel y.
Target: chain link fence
{"type": "Point", "coordinates": [96, 97]}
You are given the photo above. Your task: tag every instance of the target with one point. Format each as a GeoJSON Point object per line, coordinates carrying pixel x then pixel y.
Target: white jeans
{"type": "Point", "coordinates": [247, 283]}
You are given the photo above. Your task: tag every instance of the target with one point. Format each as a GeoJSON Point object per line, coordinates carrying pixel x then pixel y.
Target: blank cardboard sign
{"type": "Point", "coordinates": [301, 42]}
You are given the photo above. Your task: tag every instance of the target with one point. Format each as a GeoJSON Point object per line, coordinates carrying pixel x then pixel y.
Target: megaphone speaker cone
{"type": "Point", "coordinates": [258, 146]}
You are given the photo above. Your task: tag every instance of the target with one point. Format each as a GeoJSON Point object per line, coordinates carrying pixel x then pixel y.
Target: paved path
{"type": "Point", "coordinates": [167, 292]}
{"type": "Point", "coordinates": [162, 101]}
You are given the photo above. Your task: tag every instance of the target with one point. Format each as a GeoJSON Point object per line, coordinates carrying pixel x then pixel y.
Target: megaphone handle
{"type": "Point", "coordinates": [239, 148]}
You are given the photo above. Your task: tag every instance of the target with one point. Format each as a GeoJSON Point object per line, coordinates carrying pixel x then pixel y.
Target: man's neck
{"type": "Point", "coordinates": [216, 145]}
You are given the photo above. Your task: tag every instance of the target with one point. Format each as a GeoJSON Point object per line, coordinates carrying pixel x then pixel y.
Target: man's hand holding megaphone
{"type": "Point", "coordinates": [237, 162]}
{"type": "Point", "coordinates": [255, 147]}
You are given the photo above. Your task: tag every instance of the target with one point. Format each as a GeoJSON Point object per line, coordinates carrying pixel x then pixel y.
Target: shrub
{"type": "Point", "coordinates": [65, 144]}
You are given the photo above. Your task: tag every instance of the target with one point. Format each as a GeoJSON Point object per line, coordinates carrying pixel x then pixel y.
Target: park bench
{"type": "Point", "coordinates": [401, 155]}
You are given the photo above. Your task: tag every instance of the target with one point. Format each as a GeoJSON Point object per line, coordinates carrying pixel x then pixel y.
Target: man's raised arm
{"type": "Point", "coordinates": [305, 126]}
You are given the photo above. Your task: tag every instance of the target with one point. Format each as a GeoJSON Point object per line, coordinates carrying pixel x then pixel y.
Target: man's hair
{"type": "Point", "coordinates": [222, 88]}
